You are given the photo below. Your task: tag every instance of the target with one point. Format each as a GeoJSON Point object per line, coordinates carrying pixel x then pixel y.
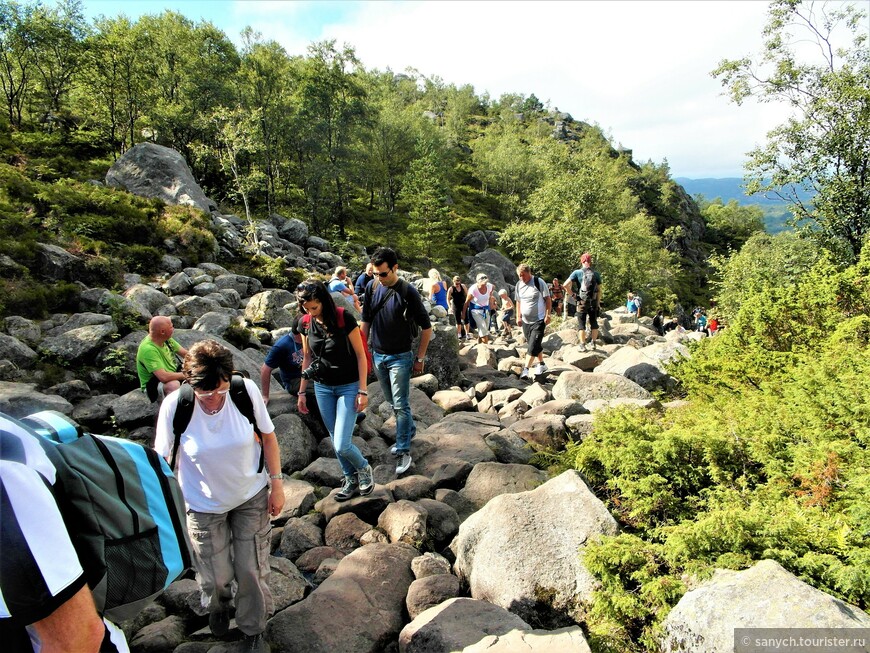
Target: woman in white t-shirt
{"type": "Point", "coordinates": [481, 303]}
{"type": "Point", "coordinates": [229, 496]}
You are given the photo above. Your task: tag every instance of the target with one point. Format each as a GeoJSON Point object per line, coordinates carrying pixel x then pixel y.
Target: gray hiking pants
{"type": "Point", "coordinates": [234, 546]}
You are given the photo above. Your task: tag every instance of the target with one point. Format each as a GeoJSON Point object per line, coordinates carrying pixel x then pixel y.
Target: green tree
{"type": "Point", "coordinates": [825, 144]}
{"type": "Point", "coordinates": [730, 225]}
{"type": "Point", "coordinates": [16, 58]}
{"type": "Point", "coordinates": [425, 192]}
{"type": "Point", "coordinates": [331, 101]}
{"type": "Point", "coordinates": [113, 82]}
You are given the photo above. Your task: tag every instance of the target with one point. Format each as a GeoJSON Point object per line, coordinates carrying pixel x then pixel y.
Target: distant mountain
{"type": "Point", "coordinates": [731, 188]}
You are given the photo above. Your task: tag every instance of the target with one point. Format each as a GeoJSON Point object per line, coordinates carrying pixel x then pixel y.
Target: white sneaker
{"type": "Point", "coordinates": [525, 373]}
{"type": "Point", "coordinates": [540, 368]}
{"type": "Point", "coordinates": [593, 345]}
{"type": "Point", "coordinates": [582, 346]}
{"type": "Point", "coordinates": [394, 451]}
{"type": "Point", "coordinates": [404, 464]}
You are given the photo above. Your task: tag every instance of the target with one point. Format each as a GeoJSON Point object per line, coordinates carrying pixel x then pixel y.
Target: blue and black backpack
{"type": "Point", "coordinates": [124, 512]}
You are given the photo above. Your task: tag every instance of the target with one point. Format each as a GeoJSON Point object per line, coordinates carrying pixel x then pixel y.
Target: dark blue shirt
{"type": "Point", "coordinates": [389, 331]}
{"type": "Point", "coordinates": [286, 355]}
{"type": "Point", "coordinates": [362, 283]}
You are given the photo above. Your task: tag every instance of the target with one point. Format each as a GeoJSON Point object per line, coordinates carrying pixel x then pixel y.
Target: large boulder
{"type": "Point", "coordinates": [563, 640]}
{"type": "Point", "coordinates": [507, 267]}
{"type": "Point", "coordinates": [22, 399]}
{"type": "Point", "coordinates": [499, 550]}
{"type": "Point", "coordinates": [583, 386]}
{"type": "Point", "coordinates": [151, 299]}
{"type": "Point", "coordinates": [266, 309]}
{"type": "Point", "coordinates": [16, 352]}
{"type": "Point", "coordinates": [763, 596]}
{"type": "Point", "coordinates": [79, 346]}
{"type": "Point", "coordinates": [152, 170]}
{"type": "Point", "coordinates": [366, 592]}
{"type": "Point", "coordinates": [56, 264]}
{"type": "Point", "coordinates": [645, 366]}
{"type": "Point", "coordinates": [441, 360]}
{"type": "Point", "coordinates": [488, 480]}
{"type": "Point", "coordinates": [455, 624]}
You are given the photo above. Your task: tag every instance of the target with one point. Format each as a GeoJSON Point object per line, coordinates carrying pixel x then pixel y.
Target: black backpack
{"type": "Point", "coordinates": [184, 411]}
{"type": "Point", "coordinates": [588, 285]}
{"type": "Point", "coordinates": [402, 287]}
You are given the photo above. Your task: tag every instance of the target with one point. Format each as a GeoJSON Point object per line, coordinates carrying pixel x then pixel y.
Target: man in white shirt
{"type": "Point", "coordinates": [533, 306]}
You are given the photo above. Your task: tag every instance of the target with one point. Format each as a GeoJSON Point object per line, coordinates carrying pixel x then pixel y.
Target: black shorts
{"type": "Point", "coordinates": [534, 334]}
{"type": "Point", "coordinates": [457, 314]}
{"type": "Point", "coordinates": [591, 310]}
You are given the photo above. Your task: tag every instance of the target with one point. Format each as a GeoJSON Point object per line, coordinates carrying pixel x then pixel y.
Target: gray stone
{"type": "Point", "coordinates": [507, 267]}
{"type": "Point", "coordinates": [542, 432]}
{"type": "Point", "coordinates": [425, 593]}
{"type": "Point", "coordinates": [368, 589]}
{"type": "Point", "coordinates": [344, 532]}
{"type": "Point", "coordinates": [27, 331]}
{"type": "Point", "coordinates": [16, 352]}
{"type": "Point", "coordinates": [286, 582]}
{"type": "Point", "coordinates": [429, 564]}
{"type": "Point", "coordinates": [152, 170]}
{"type": "Point", "coordinates": [298, 536]}
{"type": "Point", "coordinates": [455, 624]}
{"type": "Point", "coordinates": [499, 550]}
{"type": "Point", "coordinates": [79, 346]}
{"type": "Point", "coordinates": [160, 637]}
{"type": "Point", "coordinates": [582, 386]}
{"type": "Point", "coordinates": [195, 307]}
{"type": "Point", "coordinates": [133, 409]}
{"type": "Point", "coordinates": [299, 500]}
{"type": "Point", "coordinates": [488, 480]}
{"type": "Point", "coordinates": [22, 399]}
{"type": "Point", "coordinates": [56, 264]}
{"type": "Point", "coordinates": [564, 640]}
{"type": "Point", "coordinates": [763, 596]}
{"type": "Point", "coordinates": [508, 447]}
{"type": "Point", "coordinates": [245, 286]}
{"type": "Point", "coordinates": [404, 521]}
{"type": "Point", "coordinates": [267, 309]}
{"type": "Point", "coordinates": [150, 299]}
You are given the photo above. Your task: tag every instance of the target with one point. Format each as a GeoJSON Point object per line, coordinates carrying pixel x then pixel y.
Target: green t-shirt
{"type": "Point", "coordinates": [150, 357]}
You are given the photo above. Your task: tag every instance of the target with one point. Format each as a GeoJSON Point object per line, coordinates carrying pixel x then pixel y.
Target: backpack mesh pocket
{"type": "Point", "coordinates": [135, 568]}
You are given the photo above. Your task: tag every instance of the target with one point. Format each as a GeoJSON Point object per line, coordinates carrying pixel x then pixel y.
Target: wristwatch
{"type": "Point", "coordinates": [421, 360]}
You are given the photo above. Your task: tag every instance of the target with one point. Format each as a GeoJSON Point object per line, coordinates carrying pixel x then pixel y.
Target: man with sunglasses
{"type": "Point", "coordinates": [391, 306]}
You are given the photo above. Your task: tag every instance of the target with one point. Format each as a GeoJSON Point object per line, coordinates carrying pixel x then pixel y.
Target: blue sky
{"type": "Point", "coordinates": [638, 69]}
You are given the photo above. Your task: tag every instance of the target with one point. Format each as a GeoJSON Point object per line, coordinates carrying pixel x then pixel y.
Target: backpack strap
{"type": "Point", "coordinates": [339, 311]}
{"type": "Point", "coordinates": [537, 280]}
{"type": "Point", "coordinates": [242, 400]}
{"type": "Point", "coordinates": [184, 411]}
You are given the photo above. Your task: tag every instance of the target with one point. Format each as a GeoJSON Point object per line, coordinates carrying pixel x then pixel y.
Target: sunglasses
{"type": "Point", "coordinates": [383, 275]}
{"type": "Point", "coordinates": [306, 286]}
{"type": "Point", "coordinates": [209, 395]}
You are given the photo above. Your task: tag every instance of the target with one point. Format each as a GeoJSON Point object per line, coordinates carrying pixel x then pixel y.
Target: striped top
{"type": "Point", "coordinates": [39, 567]}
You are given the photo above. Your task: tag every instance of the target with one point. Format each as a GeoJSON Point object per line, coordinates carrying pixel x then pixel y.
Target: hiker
{"type": "Point", "coordinates": [585, 285]}
{"type": "Point", "coordinates": [391, 316]}
{"type": "Point", "coordinates": [46, 603]}
{"type": "Point", "coordinates": [480, 303]}
{"type": "Point", "coordinates": [557, 293]}
{"type": "Point", "coordinates": [286, 357]}
{"type": "Point", "coordinates": [156, 359]}
{"type": "Point", "coordinates": [361, 286]}
{"type": "Point", "coordinates": [456, 299]}
{"type": "Point", "coordinates": [659, 322]}
{"type": "Point", "coordinates": [229, 498]}
{"type": "Point", "coordinates": [339, 283]}
{"type": "Point", "coordinates": [335, 362]}
{"type": "Point", "coordinates": [533, 306]}
{"type": "Point", "coordinates": [507, 312]}
{"type": "Point", "coordinates": [632, 305]}
{"type": "Point", "coordinates": [437, 289]}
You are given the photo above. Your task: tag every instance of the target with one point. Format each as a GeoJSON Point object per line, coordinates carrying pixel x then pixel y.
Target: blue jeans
{"type": "Point", "coordinates": [337, 410]}
{"type": "Point", "coordinates": [394, 375]}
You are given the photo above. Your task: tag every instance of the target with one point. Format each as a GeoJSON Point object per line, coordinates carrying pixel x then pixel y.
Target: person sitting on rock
{"type": "Point", "coordinates": [339, 283]}
{"type": "Point", "coordinates": [157, 359]}
{"type": "Point", "coordinates": [286, 356]}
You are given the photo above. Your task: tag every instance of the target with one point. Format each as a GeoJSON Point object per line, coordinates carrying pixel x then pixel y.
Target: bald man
{"type": "Point", "coordinates": [156, 361]}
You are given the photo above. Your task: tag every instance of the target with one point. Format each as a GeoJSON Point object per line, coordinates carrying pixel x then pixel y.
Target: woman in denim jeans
{"type": "Point", "coordinates": [335, 360]}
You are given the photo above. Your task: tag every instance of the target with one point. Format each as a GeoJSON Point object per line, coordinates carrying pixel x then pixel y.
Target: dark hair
{"type": "Point", "coordinates": [207, 364]}
{"type": "Point", "coordinates": [312, 289]}
{"type": "Point", "coordinates": [385, 255]}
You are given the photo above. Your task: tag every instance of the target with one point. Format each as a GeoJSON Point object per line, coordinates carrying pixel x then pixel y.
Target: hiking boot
{"type": "Point", "coordinates": [219, 621]}
{"type": "Point", "coordinates": [348, 490]}
{"type": "Point", "coordinates": [541, 368]}
{"type": "Point", "coordinates": [525, 373]}
{"type": "Point", "coordinates": [365, 480]}
{"type": "Point", "coordinates": [404, 463]}
{"type": "Point", "coordinates": [255, 644]}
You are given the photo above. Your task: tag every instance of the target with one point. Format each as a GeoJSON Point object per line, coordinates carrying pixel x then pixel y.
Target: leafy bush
{"type": "Point", "coordinates": [769, 459]}
{"type": "Point", "coordinates": [35, 299]}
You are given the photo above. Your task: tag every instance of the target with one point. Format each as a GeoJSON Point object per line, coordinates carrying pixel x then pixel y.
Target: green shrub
{"type": "Point", "coordinates": [142, 259]}
{"type": "Point", "coordinates": [36, 299]}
